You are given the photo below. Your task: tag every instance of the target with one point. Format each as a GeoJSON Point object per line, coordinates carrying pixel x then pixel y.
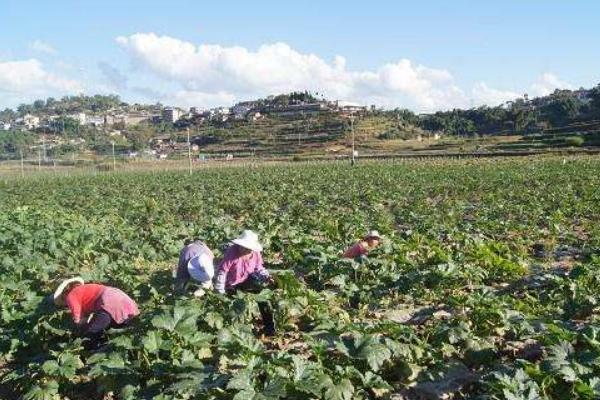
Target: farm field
{"type": "Point", "coordinates": [485, 287]}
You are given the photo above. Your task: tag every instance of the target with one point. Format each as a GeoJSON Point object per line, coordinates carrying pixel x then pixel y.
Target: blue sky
{"type": "Point", "coordinates": [424, 55]}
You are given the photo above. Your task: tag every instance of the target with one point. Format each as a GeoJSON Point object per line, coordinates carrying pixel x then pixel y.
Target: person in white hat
{"type": "Point", "coordinates": [95, 307]}
{"type": "Point", "coordinates": [242, 269]}
{"type": "Point", "coordinates": [196, 266]}
{"type": "Point", "coordinates": [363, 246]}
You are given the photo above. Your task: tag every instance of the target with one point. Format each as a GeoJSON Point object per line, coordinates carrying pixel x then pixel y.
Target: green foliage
{"type": "Point", "coordinates": [71, 104]}
{"type": "Point", "coordinates": [575, 141]}
{"type": "Point", "coordinates": [454, 302]}
{"type": "Point", "coordinates": [13, 143]}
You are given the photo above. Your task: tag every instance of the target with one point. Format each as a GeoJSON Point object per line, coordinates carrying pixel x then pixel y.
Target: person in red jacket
{"type": "Point", "coordinates": [363, 246]}
{"type": "Point", "coordinates": [95, 307]}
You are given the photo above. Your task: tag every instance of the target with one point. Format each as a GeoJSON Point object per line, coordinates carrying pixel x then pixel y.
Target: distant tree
{"type": "Point", "coordinates": [39, 105]}
{"type": "Point", "coordinates": [526, 121]}
{"type": "Point", "coordinates": [13, 143]}
{"type": "Point", "coordinates": [66, 126]}
{"type": "Point", "coordinates": [433, 123]}
{"type": "Point", "coordinates": [7, 115]}
{"type": "Point", "coordinates": [595, 101]}
{"type": "Point", "coordinates": [561, 109]}
{"type": "Point", "coordinates": [406, 116]}
{"type": "Point", "coordinates": [462, 127]}
{"type": "Point", "coordinates": [50, 102]}
{"type": "Point", "coordinates": [24, 109]}
{"type": "Point", "coordinates": [139, 136]}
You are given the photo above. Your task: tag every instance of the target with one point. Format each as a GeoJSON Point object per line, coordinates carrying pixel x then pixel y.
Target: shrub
{"type": "Point", "coordinates": [575, 141]}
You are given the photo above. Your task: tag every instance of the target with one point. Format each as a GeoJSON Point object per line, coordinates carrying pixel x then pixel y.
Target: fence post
{"type": "Point", "coordinates": [114, 159]}
{"type": "Point", "coordinates": [189, 150]}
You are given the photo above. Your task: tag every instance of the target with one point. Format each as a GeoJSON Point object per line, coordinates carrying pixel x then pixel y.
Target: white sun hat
{"type": "Point", "coordinates": [201, 268]}
{"type": "Point", "coordinates": [61, 288]}
{"type": "Point", "coordinates": [248, 240]}
{"type": "Point", "coordinates": [373, 234]}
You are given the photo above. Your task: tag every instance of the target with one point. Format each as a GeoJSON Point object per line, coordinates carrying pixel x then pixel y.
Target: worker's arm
{"type": "Point", "coordinates": [221, 277]}
{"type": "Point", "coordinates": [261, 273]}
{"type": "Point", "coordinates": [75, 306]}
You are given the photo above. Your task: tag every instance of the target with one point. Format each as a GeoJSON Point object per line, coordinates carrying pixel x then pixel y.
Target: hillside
{"type": "Point", "coordinates": [297, 123]}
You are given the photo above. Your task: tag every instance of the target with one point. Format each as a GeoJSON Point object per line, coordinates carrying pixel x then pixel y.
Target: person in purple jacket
{"type": "Point", "coordinates": [242, 269]}
{"type": "Point", "coordinates": [195, 266]}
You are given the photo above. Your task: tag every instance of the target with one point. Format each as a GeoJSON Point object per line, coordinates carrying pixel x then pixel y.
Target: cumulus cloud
{"type": "Point", "coordinates": [483, 94]}
{"type": "Point", "coordinates": [209, 74]}
{"type": "Point", "coordinates": [548, 83]}
{"type": "Point", "coordinates": [218, 73]}
{"type": "Point", "coordinates": [42, 47]}
{"type": "Point", "coordinates": [186, 98]}
{"type": "Point", "coordinates": [26, 79]}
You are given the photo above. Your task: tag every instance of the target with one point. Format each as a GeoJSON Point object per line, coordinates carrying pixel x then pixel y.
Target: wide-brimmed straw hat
{"type": "Point", "coordinates": [248, 240]}
{"type": "Point", "coordinates": [56, 297]}
{"type": "Point", "coordinates": [373, 234]}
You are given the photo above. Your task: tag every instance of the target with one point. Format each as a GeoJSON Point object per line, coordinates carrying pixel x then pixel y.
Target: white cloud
{"type": "Point", "coordinates": [42, 47]}
{"type": "Point", "coordinates": [27, 79]}
{"type": "Point", "coordinates": [483, 94]}
{"type": "Point", "coordinates": [217, 73]}
{"type": "Point", "coordinates": [187, 98]}
{"type": "Point", "coordinates": [548, 83]}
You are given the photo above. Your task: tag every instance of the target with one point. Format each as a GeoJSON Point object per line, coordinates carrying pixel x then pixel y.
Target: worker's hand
{"type": "Point", "coordinates": [80, 327]}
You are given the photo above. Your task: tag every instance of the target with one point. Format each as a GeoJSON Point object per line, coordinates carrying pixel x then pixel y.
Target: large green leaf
{"type": "Point", "coordinates": [340, 391]}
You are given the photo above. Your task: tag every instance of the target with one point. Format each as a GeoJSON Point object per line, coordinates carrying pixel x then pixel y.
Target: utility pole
{"type": "Point", "coordinates": [352, 130]}
{"type": "Point", "coordinates": [22, 170]}
{"type": "Point", "coordinates": [299, 132]}
{"type": "Point", "coordinates": [189, 150]}
{"type": "Point", "coordinates": [114, 159]}
{"type": "Point", "coordinates": [44, 145]}
{"type": "Point", "coordinates": [39, 159]}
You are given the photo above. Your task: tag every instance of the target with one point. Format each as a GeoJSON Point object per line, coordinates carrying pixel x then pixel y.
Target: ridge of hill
{"type": "Point", "coordinates": [295, 123]}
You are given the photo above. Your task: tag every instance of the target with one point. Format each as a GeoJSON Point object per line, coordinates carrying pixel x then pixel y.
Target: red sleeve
{"type": "Point", "coordinates": [355, 251]}
{"type": "Point", "coordinates": [74, 304]}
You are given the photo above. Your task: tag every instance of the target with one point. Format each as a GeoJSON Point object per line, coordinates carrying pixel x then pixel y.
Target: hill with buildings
{"type": "Point", "coordinates": [292, 124]}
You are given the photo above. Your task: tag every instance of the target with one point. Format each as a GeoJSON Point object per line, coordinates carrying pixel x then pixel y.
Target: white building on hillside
{"type": "Point", "coordinates": [79, 117]}
{"type": "Point", "coordinates": [196, 110]}
{"type": "Point", "coordinates": [94, 120]}
{"type": "Point", "coordinates": [30, 121]}
{"type": "Point", "coordinates": [171, 114]}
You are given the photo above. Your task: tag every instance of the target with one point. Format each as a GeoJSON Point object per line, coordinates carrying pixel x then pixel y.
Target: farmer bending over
{"type": "Point", "coordinates": [242, 269]}
{"type": "Point", "coordinates": [95, 307]}
{"type": "Point", "coordinates": [363, 246]}
{"type": "Point", "coordinates": [195, 264]}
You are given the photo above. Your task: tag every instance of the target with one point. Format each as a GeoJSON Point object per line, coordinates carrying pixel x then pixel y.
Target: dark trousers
{"type": "Point", "coordinates": [100, 322]}
{"type": "Point", "coordinates": [251, 285]}
{"type": "Point", "coordinates": [95, 329]}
